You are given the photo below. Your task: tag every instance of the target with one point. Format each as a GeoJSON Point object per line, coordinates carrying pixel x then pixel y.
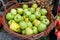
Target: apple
{"type": "Point", "coordinates": [46, 21]}
{"type": "Point", "coordinates": [23, 25]}
{"type": "Point", "coordinates": [23, 32]}
{"type": "Point", "coordinates": [15, 27]}
{"type": "Point", "coordinates": [22, 18]}
{"type": "Point", "coordinates": [26, 19]}
{"type": "Point", "coordinates": [27, 14]}
{"type": "Point", "coordinates": [36, 22]}
{"type": "Point", "coordinates": [58, 34]}
{"type": "Point", "coordinates": [10, 22]}
{"type": "Point", "coordinates": [41, 27]}
{"type": "Point", "coordinates": [25, 6]}
{"type": "Point", "coordinates": [32, 10]}
{"type": "Point", "coordinates": [58, 17]}
{"type": "Point", "coordinates": [25, 10]}
{"type": "Point", "coordinates": [38, 9]}
{"type": "Point", "coordinates": [37, 14]}
{"type": "Point", "coordinates": [35, 30]}
{"type": "Point", "coordinates": [34, 6]}
{"type": "Point", "coordinates": [19, 10]}
{"type": "Point", "coordinates": [58, 23]}
{"type": "Point", "coordinates": [29, 31]}
{"type": "Point", "coordinates": [13, 12]}
{"type": "Point", "coordinates": [32, 17]}
{"type": "Point", "coordinates": [9, 16]}
{"type": "Point", "coordinates": [29, 24]}
{"type": "Point", "coordinates": [58, 8]}
{"type": "Point", "coordinates": [43, 11]}
{"type": "Point", "coordinates": [1, 21]}
{"type": "Point", "coordinates": [17, 18]}
{"type": "Point", "coordinates": [43, 17]}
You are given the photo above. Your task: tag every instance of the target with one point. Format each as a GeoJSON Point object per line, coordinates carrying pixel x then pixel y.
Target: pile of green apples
{"type": "Point", "coordinates": [28, 20]}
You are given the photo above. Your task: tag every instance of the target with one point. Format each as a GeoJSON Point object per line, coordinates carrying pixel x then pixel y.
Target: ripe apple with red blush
{"type": "Point", "coordinates": [58, 23]}
{"type": "Point", "coordinates": [57, 34]}
{"type": "Point", "coordinates": [0, 21]}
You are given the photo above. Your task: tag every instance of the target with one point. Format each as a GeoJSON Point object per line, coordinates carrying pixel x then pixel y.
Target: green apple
{"type": "Point", "coordinates": [38, 9]}
{"type": "Point", "coordinates": [37, 14]}
{"type": "Point", "coordinates": [15, 27]}
{"type": "Point", "coordinates": [46, 21]}
{"type": "Point", "coordinates": [23, 32]}
{"type": "Point", "coordinates": [13, 12]}
{"type": "Point", "coordinates": [23, 25]}
{"type": "Point", "coordinates": [9, 16]}
{"type": "Point", "coordinates": [25, 6]}
{"type": "Point", "coordinates": [41, 27]}
{"type": "Point", "coordinates": [19, 10]}
{"type": "Point", "coordinates": [43, 11]}
{"type": "Point", "coordinates": [32, 17]}
{"type": "Point", "coordinates": [10, 22]}
{"type": "Point", "coordinates": [29, 24]}
{"type": "Point", "coordinates": [17, 18]}
{"type": "Point", "coordinates": [29, 31]}
{"type": "Point", "coordinates": [58, 17]}
{"type": "Point", "coordinates": [25, 10]}
{"type": "Point", "coordinates": [32, 10]}
{"type": "Point", "coordinates": [22, 18]}
{"type": "Point", "coordinates": [35, 30]}
{"type": "Point", "coordinates": [34, 6]}
{"type": "Point", "coordinates": [43, 17]}
{"type": "Point", "coordinates": [36, 22]}
{"type": "Point", "coordinates": [26, 19]}
{"type": "Point", "coordinates": [27, 14]}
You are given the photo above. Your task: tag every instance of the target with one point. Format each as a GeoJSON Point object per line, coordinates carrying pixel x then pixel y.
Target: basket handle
{"type": "Point", "coordinates": [8, 4]}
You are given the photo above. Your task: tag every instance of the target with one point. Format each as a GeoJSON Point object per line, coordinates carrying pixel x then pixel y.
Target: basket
{"type": "Point", "coordinates": [26, 37]}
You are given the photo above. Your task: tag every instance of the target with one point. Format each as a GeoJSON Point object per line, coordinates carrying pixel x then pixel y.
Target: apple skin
{"type": "Point", "coordinates": [29, 31]}
{"type": "Point", "coordinates": [10, 22]}
{"type": "Point", "coordinates": [43, 17]}
{"type": "Point", "coordinates": [9, 16]}
{"type": "Point", "coordinates": [58, 34]}
{"type": "Point", "coordinates": [35, 30]}
{"type": "Point", "coordinates": [58, 17]}
{"type": "Point", "coordinates": [36, 22]}
{"type": "Point", "coordinates": [37, 14]}
{"type": "Point", "coordinates": [29, 24]}
{"type": "Point", "coordinates": [38, 9]}
{"type": "Point", "coordinates": [23, 32]}
{"type": "Point", "coordinates": [34, 6]}
{"type": "Point", "coordinates": [58, 8]}
{"type": "Point", "coordinates": [43, 11]}
{"type": "Point", "coordinates": [27, 14]}
{"type": "Point", "coordinates": [26, 20]}
{"type": "Point", "coordinates": [58, 23]}
{"type": "Point", "coordinates": [46, 21]}
{"type": "Point", "coordinates": [20, 10]}
{"type": "Point", "coordinates": [32, 10]}
{"type": "Point", "coordinates": [0, 21]}
{"type": "Point", "coordinates": [25, 10]}
{"type": "Point", "coordinates": [13, 12]}
{"type": "Point", "coordinates": [17, 18]}
{"type": "Point", "coordinates": [25, 6]}
{"type": "Point", "coordinates": [32, 17]}
{"type": "Point", "coordinates": [22, 18]}
{"type": "Point", "coordinates": [15, 27]}
{"type": "Point", "coordinates": [41, 27]}
{"type": "Point", "coordinates": [23, 25]}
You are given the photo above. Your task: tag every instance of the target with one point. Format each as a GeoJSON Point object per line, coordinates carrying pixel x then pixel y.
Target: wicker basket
{"type": "Point", "coordinates": [26, 37]}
